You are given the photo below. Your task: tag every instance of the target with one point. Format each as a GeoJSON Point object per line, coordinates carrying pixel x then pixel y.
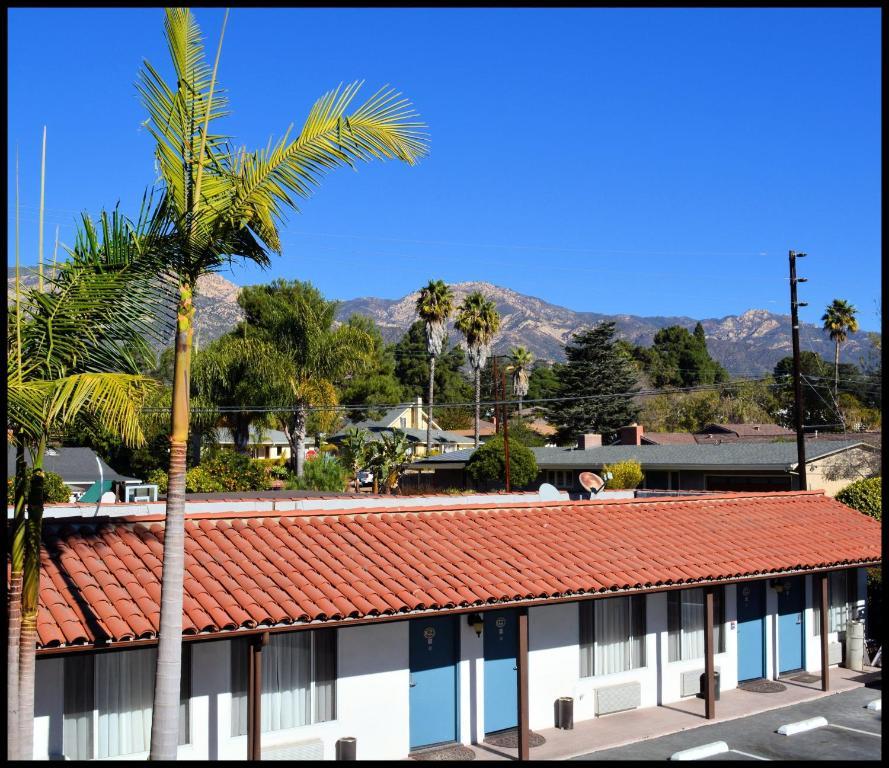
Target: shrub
{"type": "Point", "coordinates": [864, 495]}
{"type": "Point", "coordinates": [488, 464]}
{"type": "Point", "coordinates": [54, 489]}
{"type": "Point", "coordinates": [627, 474]}
{"type": "Point", "coordinates": [219, 471]}
{"type": "Point", "coordinates": [157, 477]}
{"type": "Point", "coordinates": [322, 473]}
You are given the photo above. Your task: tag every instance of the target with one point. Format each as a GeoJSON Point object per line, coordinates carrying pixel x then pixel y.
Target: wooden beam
{"type": "Point", "coordinates": [254, 696]}
{"type": "Point", "coordinates": [709, 662]}
{"type": "Point", "coordinates": [824, 599]}
{"type": "Point", "coordinates": [522, 674]}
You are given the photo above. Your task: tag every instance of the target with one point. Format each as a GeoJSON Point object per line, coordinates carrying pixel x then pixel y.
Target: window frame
{"type": "Point", "coordinates": [674, 643]}
{"type": "Point", "coordinates": [588, 638]}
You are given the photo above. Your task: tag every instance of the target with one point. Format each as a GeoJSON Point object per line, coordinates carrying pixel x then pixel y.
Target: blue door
{"type": "Point", "coordinates": [790, 624]}
{"type": "Point", "coordinates": [433, 681]}
{"type": "Point", "coordinates": [751, 631]}
{"type": "Point", "coordinates": [501, 681]}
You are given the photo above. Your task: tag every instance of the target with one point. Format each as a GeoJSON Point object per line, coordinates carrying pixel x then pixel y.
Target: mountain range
{"type": "Point", "coordinates": [750, 343]}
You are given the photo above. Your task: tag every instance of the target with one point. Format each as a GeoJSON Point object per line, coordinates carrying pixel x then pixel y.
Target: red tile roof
{"type": "Point", "coordinates": [101, 578]}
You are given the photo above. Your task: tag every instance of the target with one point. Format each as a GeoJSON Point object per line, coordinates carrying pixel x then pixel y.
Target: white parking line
{"type": "Point", "coordinates": [747, 754]}
{"type": "Point", "coordinates": [856, 730]}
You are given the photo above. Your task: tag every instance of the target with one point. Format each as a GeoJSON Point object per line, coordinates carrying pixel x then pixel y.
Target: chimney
{"type": "Point", "coordinates": [589, 440]}
{"type": "Point", "coordinates": [631, 435]}
{"type": "Point", "coordinates": [415, 416]}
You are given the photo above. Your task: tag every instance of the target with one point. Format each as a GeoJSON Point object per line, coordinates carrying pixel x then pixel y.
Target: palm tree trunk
{"type": "Point", "coordinates": [300, 434]}
{"type": "Point", "coordinates": [429, 414]}
{"type": "Point", "coordinates": [478, 399]}
{"type": "Point", "coordinates": [242, 435]}
{"type": "Point", "coordinates": [165, 712]}
{"type": "Point", "coordinates": [14, 607]}
{"type": "Point", "coordinates": [836, 368]}
{"type": "Point", "coordinates": [30, 601]}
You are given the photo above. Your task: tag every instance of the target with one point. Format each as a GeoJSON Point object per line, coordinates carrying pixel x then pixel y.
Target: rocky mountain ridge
{"type": "Point", "coordinates": [749, 343]}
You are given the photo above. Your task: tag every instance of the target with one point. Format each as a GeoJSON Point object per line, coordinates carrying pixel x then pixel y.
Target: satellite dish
{"type": "Point", "coordinates": [549, 492]}
{"type": "Point", "coordinates": [591, 482]}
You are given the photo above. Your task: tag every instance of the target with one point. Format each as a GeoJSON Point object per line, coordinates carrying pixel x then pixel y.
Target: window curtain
{"type": "Point", "coordinates": [586, 638]}
{"type": "Point", "coordinates": [843, 595]}
{"type": "Point", "coordinates": [286, 681]}
{"type": "Point", "coordinates": [77, 723]}
{"type": "Point", "coordinates": [685, 621]}
{"type": "Point", "coordinates": [325, 674]}
{"type": "Point", "coordinates": [238, 668]}
{"type": "Point", "coordinates": [124, 693]}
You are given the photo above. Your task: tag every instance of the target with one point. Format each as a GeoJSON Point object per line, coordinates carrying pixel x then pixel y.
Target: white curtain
{"type": "Point", "coordinates": [325, 675]}
{"type": "Point", "coordinates": [612, 635]}
{"type": "Point", "coordinates": [286, 681]}
{"type": "Point", "coordinates": [238, 650]}
{"type": "Point", "coordinates": [124, 693]}
{"type": "Point", "coordinates": [839, 607]}
{"type": "Point", "coordinates": [77, 725]}
{"type": "Point", "coordinates": [691, 616]}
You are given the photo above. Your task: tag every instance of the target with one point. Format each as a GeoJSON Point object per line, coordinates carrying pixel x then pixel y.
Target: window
{"type": "Point", "coordinates": [842, 595]}
{"type": "Point", "coordinates": [402, 422]}
{"type": "Point", "coordinates": [298, 680]}
{"type": "Point", "coordinates": [685, 623]}
{"type": "Point", "coordinates": [108, 699]}
{"type": "Point", "coordinates": [612, 635]}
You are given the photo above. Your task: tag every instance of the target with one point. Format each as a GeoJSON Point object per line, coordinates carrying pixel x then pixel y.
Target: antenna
{"type": "Point", "coordinates": [549, 492]}
{"type": "Point", "coordinates": [592, 483]}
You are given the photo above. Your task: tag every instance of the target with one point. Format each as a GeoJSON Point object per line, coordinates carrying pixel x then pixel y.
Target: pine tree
{"type": "Point", "coordinates": [595, 370]}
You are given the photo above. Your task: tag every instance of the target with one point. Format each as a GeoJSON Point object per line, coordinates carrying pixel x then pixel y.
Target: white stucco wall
{"type": "Point", "coordinates": [373, 691]}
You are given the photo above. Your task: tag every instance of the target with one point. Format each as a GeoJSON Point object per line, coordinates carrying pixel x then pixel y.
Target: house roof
{"type": "Point", "coordinates": [750, 430]}
{"type": "Point", "coordinates": [100, 579]}
{"type": "Point", "coordinates": [269, 436]}
{"type": "Point", "coordinates": [735, 454]}
{"type": "Point", "coordinates": [74, 464]}
{"type": "Point", "coordinates": [376, 429]}
{"type": "Point", "coordinates": [668, 438]}
{"type": "Point", "coordinates": [485, 428]}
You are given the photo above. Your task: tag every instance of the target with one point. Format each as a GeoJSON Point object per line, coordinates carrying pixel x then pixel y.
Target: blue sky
{"type": "Point", "coordinates": [650, 162]}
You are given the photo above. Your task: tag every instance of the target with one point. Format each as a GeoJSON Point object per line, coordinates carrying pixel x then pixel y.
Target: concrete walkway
{"type": "Point", "coordinates": [641, 724]}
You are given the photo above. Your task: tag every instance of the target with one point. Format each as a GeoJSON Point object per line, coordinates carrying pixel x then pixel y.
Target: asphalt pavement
{"type": "Point", "coordinates": [853, 733]}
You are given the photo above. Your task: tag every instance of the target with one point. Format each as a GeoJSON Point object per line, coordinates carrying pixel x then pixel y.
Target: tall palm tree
{"type": "Point", "coordinates": [434, 306]}
{"type": "Point", "coordinates": [226, 203]}
{"type": "Point", "coordinates": [478, 321]}
{"type": "Point", "coordinates": [839, 321]}
{"type": "Point", "coordinates": [76, 353]}
{"type": "Point", "coordinates": [520, 361]}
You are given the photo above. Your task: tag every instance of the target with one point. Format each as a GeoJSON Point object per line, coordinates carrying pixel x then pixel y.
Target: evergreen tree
{"type": "Point", "coordinates": [377, 384]}
{"type": "Point", "coordinates": [543, 381]}
{"type": "Point", "coordinates": [678, 358]}
{"type": "Point", "coordinates": [451, 385]}
{"type": "Point", "coordinates": [594, 370]}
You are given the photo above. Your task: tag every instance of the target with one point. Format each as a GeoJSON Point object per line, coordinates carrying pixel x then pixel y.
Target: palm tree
{"type": "Point", "coordinates": [434, 306]}
{"type": "Point", "coordinates": [478, 321]}
{"type": "Point", "coordinates": [355, 452]}
{"type": "Point", "coordinates": [76, 353]}
{"type": "Point", "coordinates": [520, 360]}
{"type": "Point", "coordinates": [839, 321]}
{"type": "Point", "coordinates": [225, 203]}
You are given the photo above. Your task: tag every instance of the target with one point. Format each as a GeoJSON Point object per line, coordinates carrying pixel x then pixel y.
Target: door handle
{"type": "Point", "coordinates": [411, 683]}
{"type": "Point", "coordinates": [799, 619]}
{"type": "Point", "coordinates": [515, 669]}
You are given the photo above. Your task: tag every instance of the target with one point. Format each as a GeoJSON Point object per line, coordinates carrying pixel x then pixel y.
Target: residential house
{"type": "Point", "coordinates": [405, 627]}
{"type": "Point", "coordinates": [732, 466]}
{"type": "Point", "coordinates": [85, 472]}
{"type": "Point", "coordinates": [412, 420]}
{"type": "Point", "coordinates": [264, 443]}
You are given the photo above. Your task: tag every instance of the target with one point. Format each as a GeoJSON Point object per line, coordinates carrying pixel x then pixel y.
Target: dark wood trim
{"type": "Point", "coordinates": [532, 603]}
{"type": "Point", "coordinates": [825, 624]}
{"type": "Point", "coordinates": [522, 674]}
{"type": "Point", "coordinates": [709, 661]}
{"type": "Point", "coordinates": [254, 696]}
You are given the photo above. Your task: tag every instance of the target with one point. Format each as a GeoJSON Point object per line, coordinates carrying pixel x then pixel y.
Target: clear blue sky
{"type": "Point", "coordinates": [651, 162]}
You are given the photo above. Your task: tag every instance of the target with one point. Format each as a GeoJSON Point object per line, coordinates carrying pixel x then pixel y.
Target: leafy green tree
{"type": "Point", "coordinates": [865, 495]}
{"type": "Point", "coordinates": [522, 433]}
{"type": "Point", "coordinates": [412, 371]}
{"type": "Point", "coordinates": [355, 452]}
{"type": "Point", "coordinates": [219, 470]}
{"type": "Point", "coordinates": [377, 384]}
{"type": "Point", "coordinates": [478, 321]}
{"type": "Point", "coordinates": [680, 359]}
{"type": "Point", "coordinates": [625, 474]}
{"type": "Point", "coordinates": [54, 489]}
{"type": "Point", "coordinates": [322, 473]}
{"type": "Point", "coordinates": [602, 377]}
{"type": "Point", "coordinates": [487, 465]}
{"type": "Point", "coordinates": [224, 202]}
{"type": "Point", "coordinates": [389, 457]}
{"type": "Point", "coordinates": [839, 321]}
{"type": "Point", "coordinates": [434, 306]}
{"type": "Point", "coordinates": [295, 318]}
{"type": "Point", "coordinates": [819, 408]}
{"type": "Point", "coordinates": [543, 381]}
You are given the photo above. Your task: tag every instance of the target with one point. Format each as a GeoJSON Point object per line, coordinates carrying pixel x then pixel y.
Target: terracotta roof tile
{"type": "Point", "coordinates": [101, 578]}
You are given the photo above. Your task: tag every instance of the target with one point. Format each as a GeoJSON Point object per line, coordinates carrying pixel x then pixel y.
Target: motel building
{"type": "Point", "coordinates": [406, 627]}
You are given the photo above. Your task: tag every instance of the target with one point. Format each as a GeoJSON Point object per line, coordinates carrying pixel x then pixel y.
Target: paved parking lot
{"type": "Point", "coordinates": [853, 733]}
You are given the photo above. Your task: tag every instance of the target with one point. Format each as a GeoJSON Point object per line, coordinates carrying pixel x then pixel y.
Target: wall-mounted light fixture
{"type": "Point", "coordinates": [476, 621]}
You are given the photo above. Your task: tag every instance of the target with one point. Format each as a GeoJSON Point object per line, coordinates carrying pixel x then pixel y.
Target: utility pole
{"type": "Point", "coordinates": [797, 375]}
{"type": "Point", "coordinates": [505, 414]}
